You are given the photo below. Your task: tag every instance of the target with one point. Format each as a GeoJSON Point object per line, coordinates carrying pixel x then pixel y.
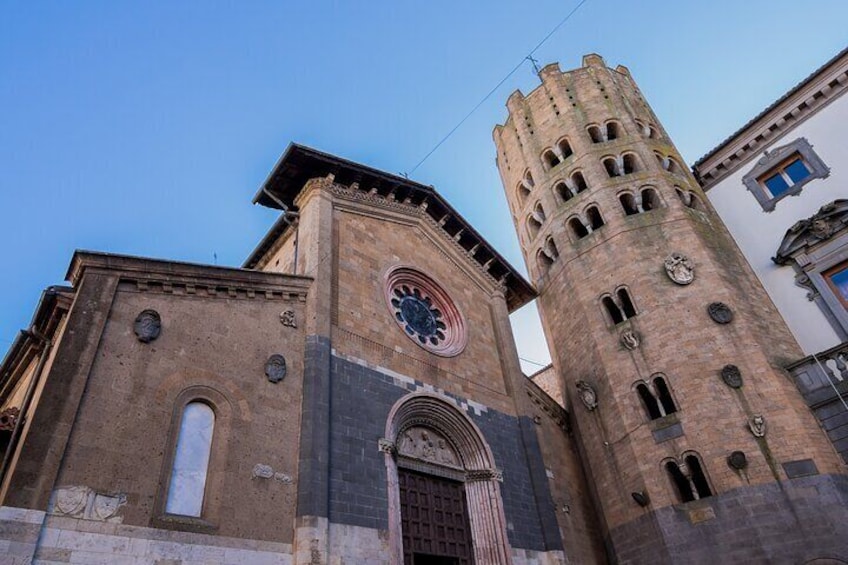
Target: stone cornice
{"type": "Point", "coordinates": [548, 405]}
{"type": "Point", "coordinates": [804, 100]}
{"type": "Point", "coordinates": [189, 278]}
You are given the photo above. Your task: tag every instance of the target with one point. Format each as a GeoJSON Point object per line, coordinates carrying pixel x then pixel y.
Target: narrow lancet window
{"type": "Point", "coordinates": [191, 461]}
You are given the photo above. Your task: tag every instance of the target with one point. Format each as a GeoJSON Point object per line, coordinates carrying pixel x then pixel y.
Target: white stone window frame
{"type": "Point", "coordinates": [772, 162]}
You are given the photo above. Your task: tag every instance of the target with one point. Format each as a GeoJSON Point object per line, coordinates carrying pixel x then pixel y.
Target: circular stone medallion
{"type": "Point", "coordinates": [148, 326]}
{"type": "Point", "coordinates": [737, 460]}
{"type": "Point", "coordinates": [720, 313]}
{"type": "Point", "coordinates": [425, 312]}
{"type": "Point", "coordinates": [275, 368]}
{"type": "Point", "coordinates": [732, 376]}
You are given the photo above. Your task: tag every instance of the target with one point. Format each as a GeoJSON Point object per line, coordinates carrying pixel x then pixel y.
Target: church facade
{"type": "Point", "coordinates": [353, 393]}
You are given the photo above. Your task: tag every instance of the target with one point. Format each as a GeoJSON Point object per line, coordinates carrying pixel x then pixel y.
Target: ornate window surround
{"type": "Point", "coordinates": [813, 247]}
{"type": "Point", "coordinates": [773, 160]}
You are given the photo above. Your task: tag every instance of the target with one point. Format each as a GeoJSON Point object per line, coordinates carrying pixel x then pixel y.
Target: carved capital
{"type": "Point", "coordinates": [387, 446]}
{"type": "Point", "coordinates": [477, 475]}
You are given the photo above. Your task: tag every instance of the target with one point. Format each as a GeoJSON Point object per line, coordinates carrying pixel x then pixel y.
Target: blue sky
{"type": "Point", "coordinates": [145, 128]}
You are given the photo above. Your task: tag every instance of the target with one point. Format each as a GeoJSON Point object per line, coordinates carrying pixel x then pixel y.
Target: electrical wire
{"type": "Point", "coordinates": [497, 86]}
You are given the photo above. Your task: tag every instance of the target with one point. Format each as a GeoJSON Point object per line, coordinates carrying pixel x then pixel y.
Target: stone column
{"type": "Point", "coordinates": [486, 514]}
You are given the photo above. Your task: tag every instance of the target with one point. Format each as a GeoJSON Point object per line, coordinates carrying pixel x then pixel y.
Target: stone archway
{"type": "Point", "coordinates": [454, 449]}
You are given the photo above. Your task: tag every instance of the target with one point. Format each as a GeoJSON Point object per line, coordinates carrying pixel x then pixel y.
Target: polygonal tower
{"type": "Point", "coordinates": [670, 354]}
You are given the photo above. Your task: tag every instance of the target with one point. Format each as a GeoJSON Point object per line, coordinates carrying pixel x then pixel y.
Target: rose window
{"type": "Point", "coordinates": [425, 312]}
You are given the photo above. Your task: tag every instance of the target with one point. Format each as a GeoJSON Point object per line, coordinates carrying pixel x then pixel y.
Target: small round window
{"type": "Point", "coordinates": [425, 312]}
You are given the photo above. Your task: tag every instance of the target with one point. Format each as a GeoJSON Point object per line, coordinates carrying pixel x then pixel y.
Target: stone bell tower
{"type": "Point", "coordinates": [669, 353]}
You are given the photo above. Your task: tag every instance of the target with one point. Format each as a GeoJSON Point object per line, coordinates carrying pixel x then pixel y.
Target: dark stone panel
{"type": "Point", "coordinates": [671, 432]}
{"type": "Point", "coordinates": [360, 400]}
{"type": "Point", "coordinates": [312, 485]}
{"type": "Point", "coordinates": [800, 468]}
{"type": "Point", "coordinates": [360, 403]}
{"type": "Point", "coordinates": [791, 522]}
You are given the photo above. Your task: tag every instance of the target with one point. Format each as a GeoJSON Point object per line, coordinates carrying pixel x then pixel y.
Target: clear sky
{"type": "Point", "coordinates": [146, 128]}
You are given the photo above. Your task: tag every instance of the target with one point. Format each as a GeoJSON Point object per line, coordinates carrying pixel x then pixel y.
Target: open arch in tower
{"type": "Point", "coordinates": [430, 445]}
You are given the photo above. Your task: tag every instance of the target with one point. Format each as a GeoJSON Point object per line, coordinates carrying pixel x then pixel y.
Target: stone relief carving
{"type": "Point", "coordinates": [424, 443]}
{"type": "Point", "coordinates": [732, 376]}
{"type": "Point", "coordinates": [630, 339]}
{"type": "Point", "coordinates": [679, 268]}
{"type": "Point", "coordinates": [720, 312]}
{"type": "Point", "coordinates": [824, 224]}
{"type": "Point", "coordinates": [587, 395]}
{"type": "Point", "coordinates": [387, 446]}
{"type": "Point", "coordinates": [8, 418]}
{"type": "Point", "coordinates": [737, 460]}
{"type": "Point", "coordinates": [287, 319]}
{"type": "Point", "coordinates": [148, 326]}
{"type": "Point", "coordinates": [757, 424]}
{"type": "Point", "coordinates": [261, 471]}
{"type": "Point", "coordinates": [484, 475]}
{"type": "Point", "coordinates": [275, 368]}
{"type": "Point", "coordinates": [83, 502]}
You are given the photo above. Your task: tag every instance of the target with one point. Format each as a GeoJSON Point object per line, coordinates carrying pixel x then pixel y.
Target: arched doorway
{"type": "Point", "coordinates": [445, 504]}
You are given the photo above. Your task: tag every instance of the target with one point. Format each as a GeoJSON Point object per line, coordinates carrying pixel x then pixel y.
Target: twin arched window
{"type": "Point", "coordinates": [547, 255]}
{"type": "Point", "coordinates": [592, 220]}
{"type": "Point", "coordinates": [536, 220]}
{"type": "Point", "coordinates": [643, 201]}
{"type": "Point", "coordinates": [647, 130]}
{"type": "Point", "coordinates": [557, 154]}
{"type": "Point", "coordinates": [187, 483]}
{"type": "Point", "coordinates": [690, 199]}
{"type": "Point", "coordinates": [688, 478]}
{"type": "Point", "coordinates": [608, 132]}
{"type": "Point", "coordinates": [621, 165]}
{"type": "Point", "coordinates": [619, 307]}
{"type": "Point", "coordinates": [669, 164]}
{"type": "Point", "coordinates": [656, 397]}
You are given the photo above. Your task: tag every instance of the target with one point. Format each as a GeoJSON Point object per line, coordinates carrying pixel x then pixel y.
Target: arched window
{"type": "Point", "coordinates": [544, 262]}
{"type": "Point", "coordinates": [550, 159]}
{"type": "Point", "coordinates": [594, 217]}
{"type": "Point", "coordinates": [612, 309]}
{"type": "Point", "coordinates": [689, 478]}
{"type": "Point", "coordinates": [563, 191]}
{"type": "Point", "coordinates": [666, 402]}
{"type": "Point", "coordinates": [674, 166]}
{"type": "Point", "coordinates": [578, 181]}
{"type": "Point", "coordinates": [523, 192]}
{"type": "Point", "coordinates": [650, 199]}
{"type": "Point", "coordinates": [628, 162]}
{"type": "Point", "coordinates": [191, 460]}
{"type": "Point", "coordinates": [595, 134]}
{"type": "Point", "coordinates": [656, 397]}
{"type": "Point", "coordinates": [626, 304]}
{"type": "Point", "coordinates": [689, 199]}
{"type": "Point", "coordinates": [533, 226]}
{"type": "Point", "coordinates": [653, 133]}
{"type": "Point", "coordinates": [539, 212]}
{"type": "Point", "coordinates": [628, 204]}
{"type": "Point", "coordinates": [613, 131]}
{"type": "Point", "coordinates": [649, 401]}
{"type": "Point", "coordinates": [565, 148]}
{"type": "Point", "coordinates": [577, 228]}
{"type": "Point", "coordinates": [528, 179]}
{"type": "Point", "coordinates": [611, 167]}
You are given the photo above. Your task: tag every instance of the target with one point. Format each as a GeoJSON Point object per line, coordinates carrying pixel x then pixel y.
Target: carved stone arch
{"type": "Point", "coordinates": [475, 467]}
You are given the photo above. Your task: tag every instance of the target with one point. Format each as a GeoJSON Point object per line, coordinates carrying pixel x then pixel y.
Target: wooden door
{"type": "Point", "coordinates": [434, 519]}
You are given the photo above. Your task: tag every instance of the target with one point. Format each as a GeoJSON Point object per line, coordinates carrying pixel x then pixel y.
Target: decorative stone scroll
{"type": "Point", "coordinates": [587, 395]}
{"type": "Point", "coordinates": [679, 268]}
{"type": "Point", "coordinates": [423, 443]}
{"type": "Point", "coordinates": [630, 339]}
{"type": "Point", "coordinates": [737, 460]}
{"type": "Point", "coordinates": [148, 326]}
{"type": "Point", "coordinates": [83, 502]}
{"type": "Point", "coordinates": [720, 312]}
{"type": "Point", "coordinates": [757, 425]}
{"type": "Point", "coordinates": [732, 376]}
{"type": "Point", "coordinates": [287, 318]}
{"type": "Point", "coordinates": [275, 368]}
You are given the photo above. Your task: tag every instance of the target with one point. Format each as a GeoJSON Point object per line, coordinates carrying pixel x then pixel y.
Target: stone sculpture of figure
{"type": "Point", "coordinates": [758, 425]}
{"type": "Point", "coordinates": [428, 450]}
{"type": "Point", "coordinates": [679, 268]}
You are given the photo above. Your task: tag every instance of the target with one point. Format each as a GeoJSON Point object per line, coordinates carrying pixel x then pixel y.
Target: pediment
{"type": "Point", "coordinates": [831, 219]}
